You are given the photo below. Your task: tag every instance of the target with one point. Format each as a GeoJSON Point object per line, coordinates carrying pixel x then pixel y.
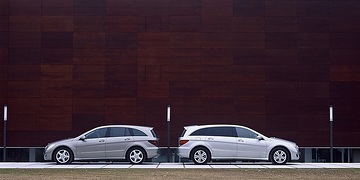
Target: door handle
{"type": "Point", "coordinates": [102, 140]}
{"type": "Point", "coordinates": [210, 139]}
{"type": "Point", "coordinates": [127, 139]}
{"type": "Point", "coordinates": [240, 140]}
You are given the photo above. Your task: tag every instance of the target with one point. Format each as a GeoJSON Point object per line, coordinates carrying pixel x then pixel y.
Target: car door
{"type": "Point", "coordinates": [118, 142]}
{"type": "Point", "coordinates": [222, 142]}
{"type": "Point", "coordinates": [249, 146]}
{"type": "Point", "coordinates": [93, 145]}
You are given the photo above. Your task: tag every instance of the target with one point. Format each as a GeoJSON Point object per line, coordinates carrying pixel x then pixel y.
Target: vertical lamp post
{"type": "Point", "coordinates": [168, 134]}
{"type": "Point", "coordinates": [5, 119]}
{"type": "Point", "coordinates": [331, 133]}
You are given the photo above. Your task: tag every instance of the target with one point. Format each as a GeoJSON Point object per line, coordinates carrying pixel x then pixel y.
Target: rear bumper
{"type": "Point", "coordinates": [183, 152]}
{"type": "Point", "coordinates": [153, 152]}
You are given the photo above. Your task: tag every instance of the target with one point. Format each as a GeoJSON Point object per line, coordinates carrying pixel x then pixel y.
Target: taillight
{"type": "Point", "coordinates": [153, 142]}
{"type": "Point", "coordinates": [182, 142]}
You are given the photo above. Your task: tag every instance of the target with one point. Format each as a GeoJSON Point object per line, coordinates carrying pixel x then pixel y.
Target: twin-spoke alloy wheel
{"type": "Point", "coordinates": [279, 156]}
{"type": "Point", "coordinates": [63, 156]}
{"type": "Point", "coordinates": [200, 156]}
{"type": "Point", "coordinates": [136, 156]}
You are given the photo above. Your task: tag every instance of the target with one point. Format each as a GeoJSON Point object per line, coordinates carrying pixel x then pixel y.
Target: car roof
{"type": "Point", "coordinates": [213, 125]}
{"type": "Point", "coordinates": [128, 126]}
{"type": "Point", "coordinates": [192, 128]}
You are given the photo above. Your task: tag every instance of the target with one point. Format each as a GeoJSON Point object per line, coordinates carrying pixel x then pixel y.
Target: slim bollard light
{"type": "Point", "coordinates": [5, 119]}
{"type": "Point", "coordinates": [168, 134]}
{"type": "Point", "coordinates": [331, 133]}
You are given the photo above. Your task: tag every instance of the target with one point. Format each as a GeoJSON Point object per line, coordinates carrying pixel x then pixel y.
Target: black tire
{"type": "Point", "coordinates": [63, 155]}
{"type": "Point", "coordinates": [200, 155]}
{"type": "Point", "coordinates": [136, 155]}
{"type": "Point", "coordinates": [279, 156]}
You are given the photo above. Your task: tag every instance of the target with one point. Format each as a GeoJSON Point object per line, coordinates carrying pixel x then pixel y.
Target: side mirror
{"type": "Point", "coordinates": [82, 138]}
{"type": "Point", "coordinates": [258, 137]}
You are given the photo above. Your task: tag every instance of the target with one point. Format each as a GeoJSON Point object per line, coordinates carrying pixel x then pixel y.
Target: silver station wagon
{"type": "Point", "coordinates": [116, 142]}
{"type": "Point", "coordinates": [231, 142]}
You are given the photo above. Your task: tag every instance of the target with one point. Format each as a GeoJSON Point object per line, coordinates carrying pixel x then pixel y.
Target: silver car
{"type": "Point", "coordinates": [232, 142]}
{"type": "Point", "coordinates": [132, 143]}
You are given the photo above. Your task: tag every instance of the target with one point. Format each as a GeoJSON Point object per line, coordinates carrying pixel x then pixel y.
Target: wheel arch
{"type": "Point", "coordinates": [279, 146]}
{"type": "Point", "coordinates": [200, 146]}
{"type": "Point", "coordinates": [135, 146]}
{"type": "Point", "coordinates": [62, 146]}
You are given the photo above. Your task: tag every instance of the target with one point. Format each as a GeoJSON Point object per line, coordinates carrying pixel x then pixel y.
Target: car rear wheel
{"type": "Point", "coordinates": [63, 155]}
{"type": "Point", "coordinates": [200, 155]}
{"type": "Point", "coordinates": [136, 155]}
{"type": "Point", "coordinates": [279, 156]}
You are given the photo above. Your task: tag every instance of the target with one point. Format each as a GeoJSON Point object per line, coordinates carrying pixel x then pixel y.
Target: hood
{"type": "Point", "coordinates": [62, 141]}
{"type": "Point", "coordinates": [282, 140]}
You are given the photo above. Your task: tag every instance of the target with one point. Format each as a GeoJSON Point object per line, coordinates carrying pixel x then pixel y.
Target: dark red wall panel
{"type": "Point", "coordinates": [57, 7]}
{"type": "Point", "coordinates": [25, 8]}
{"type": "Point", "coordinates": [246, 8]}
{"type": "Point", "coordinates": [70, 65]}
{"type": "Point", "coordinates": [24, 56]}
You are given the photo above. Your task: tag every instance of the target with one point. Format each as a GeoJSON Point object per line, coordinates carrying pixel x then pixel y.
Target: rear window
{"type": "Point", "coordinates": [153, 133]}
{"type": "Point", "coordinates": [200, 132]}
{"type": "Point", "coordinates": [182, 133]}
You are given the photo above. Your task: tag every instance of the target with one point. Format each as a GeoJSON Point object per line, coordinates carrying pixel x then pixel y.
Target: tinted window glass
{"type": "Point", "coordinates": [137, 132]}
{"type": "Point", "coordinates": [200, 132]}
{"type": "Point", "coordinates": [223, 131]}
{"type": "Point", "coordinates": [182, 133]}
{"type": "Point", "coordinates": [119, 132]}
{"type": "Point", "coordinates": [245, 133]}
{"type": "Point", "coordinates": [153, 133]}
{"type": "Point", "coordinates": [99, 133]}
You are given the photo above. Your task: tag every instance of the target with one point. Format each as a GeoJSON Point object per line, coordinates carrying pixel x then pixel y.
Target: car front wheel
{"type": "Point", "coordinates": [279, 156]}
{"type": "Point", "coordinates": [63, 155]}
{"type": "Point", "coordinates": [200, 156]}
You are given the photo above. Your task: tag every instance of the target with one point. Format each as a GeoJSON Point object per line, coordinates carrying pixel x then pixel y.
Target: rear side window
{"type": "Point", "coordinates": [137, 132]}
{"type": "Point", "coordinates": [200, 132]}
{"type": "Point", "coordinates": [223, 131]}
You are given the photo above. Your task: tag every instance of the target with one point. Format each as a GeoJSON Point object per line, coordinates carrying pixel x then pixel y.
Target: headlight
{"type": "Point", "coordinates": [48, 147]}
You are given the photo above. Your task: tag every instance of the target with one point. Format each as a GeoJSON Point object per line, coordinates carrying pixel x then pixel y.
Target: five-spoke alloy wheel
{"type": "Point", "coordinates": [200, 155]}
{"type": "Point", "coordinates": [63, 155]}
{"type": "Point", "coordinates": [136, 156]}
{"type": "Point", "coordinates": [279, 155]}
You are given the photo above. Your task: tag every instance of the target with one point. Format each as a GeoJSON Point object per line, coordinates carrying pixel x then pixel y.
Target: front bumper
{"type": "Point", "coordinates": [47, 155]}
{"type": "Point", "coordinates": [295, 155]}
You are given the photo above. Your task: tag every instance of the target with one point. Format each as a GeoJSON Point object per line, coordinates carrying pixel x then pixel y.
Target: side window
{"type": "Point", "coordinates": [137, 132]}
{"type": "Point", "coordinates": [223, 131]}
{"type": "Point", "coordinates": [200, 132]}
{"type": "Point", "coordinates": [119, 132]}
{"type": "Point", "coordinates": [99, 133]}
{"type": "Point", "coordinates": [245, 133]}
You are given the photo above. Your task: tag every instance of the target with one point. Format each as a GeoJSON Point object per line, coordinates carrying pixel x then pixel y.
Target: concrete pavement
{"type": "Point", "coordinates": [154, 165]}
